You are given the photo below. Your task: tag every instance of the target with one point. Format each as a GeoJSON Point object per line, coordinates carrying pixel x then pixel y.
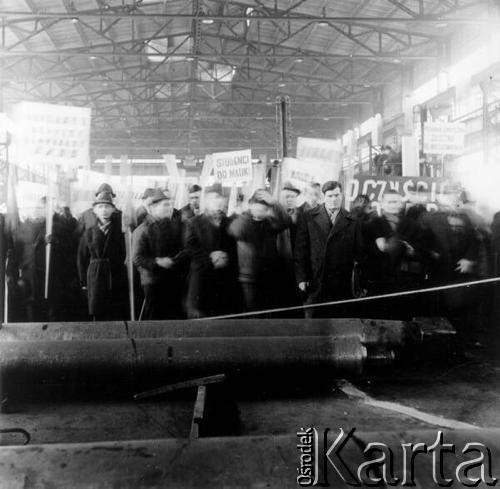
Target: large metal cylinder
{"type": "Point", "coordinates": [380, 332]}
{"type": "Point", "coordinates": [165, 360]}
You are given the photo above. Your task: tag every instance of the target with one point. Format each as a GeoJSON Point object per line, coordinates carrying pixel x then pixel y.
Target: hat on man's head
{"type": "Point", "coordinates": [105, 187]}
{"type": "Point", "coordinates": [194, 188]}
{"type": "Point", "coordinates": [104, 198]}
{"type": "Point", "coordinates": [216, 188]}
{"type": "Point", "coordinates": [290, 186]}
{"type": "Point", "coordinates": [157, 196]}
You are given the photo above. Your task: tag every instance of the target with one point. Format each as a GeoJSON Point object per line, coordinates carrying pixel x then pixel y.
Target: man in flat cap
{"type": "Point", "coordinates": [143, 210]}
{"type": "Point", "coordinates": [213, 278]}
{"type": "Point", "coordinates": [157, 251]}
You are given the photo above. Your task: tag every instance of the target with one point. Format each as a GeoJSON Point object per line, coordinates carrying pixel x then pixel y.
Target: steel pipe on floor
{"type": "Point", "coordinates": [165, 360]}
{"type": "Point", "coordinates": [380, 332]}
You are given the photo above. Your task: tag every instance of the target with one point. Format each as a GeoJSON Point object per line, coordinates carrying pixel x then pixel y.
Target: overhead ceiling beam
{"type": "Point", "coordinates": [22, 16]}
{"type": "Point", "coordinates": [214, 57]}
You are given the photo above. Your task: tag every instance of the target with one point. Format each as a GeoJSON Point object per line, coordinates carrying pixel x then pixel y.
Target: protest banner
{"type": "Point", "coordinates": [444, 138]}
{"type": "Point", "coordinates": [425, 190]}
{"type": "Point", "coordinates": [50, 134]}
{"type": "Point", "coordinates": [233, 167]}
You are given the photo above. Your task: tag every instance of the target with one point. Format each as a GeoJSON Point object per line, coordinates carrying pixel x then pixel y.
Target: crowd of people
{"type": "Point", "coordinates": [198, 261]}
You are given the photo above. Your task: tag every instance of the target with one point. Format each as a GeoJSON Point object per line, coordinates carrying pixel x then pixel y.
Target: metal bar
{"type": "Point", "coordinates": [213, 379]}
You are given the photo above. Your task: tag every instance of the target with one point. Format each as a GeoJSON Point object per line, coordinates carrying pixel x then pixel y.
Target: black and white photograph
{"type": "Point", "coordinates": [249, 244]}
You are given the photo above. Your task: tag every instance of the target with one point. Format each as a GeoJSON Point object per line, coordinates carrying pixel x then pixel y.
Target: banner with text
{"type": "Point", "coordinates": [233, 168]}
{"type": "Point", "coordinates": [51, 134]}
{"type": "Point", "coordinates": [416, 189]}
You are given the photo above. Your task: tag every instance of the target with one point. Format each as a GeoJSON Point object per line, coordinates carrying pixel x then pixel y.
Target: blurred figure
{"type": "Point", "coordinates": [286, 246]}
{"type": "Point", "coordinates": [455, 248]}
{"type": "Point", "coordinates": [88, 218]}
{"type": "Point", "coordinates": [312, 197]}
{"type": "Point", "coordinates": [159, 256]}
{"type": "Point", "coordinates": [328, 241]}
{"type": "Point", "coordinates": [213, 278]}
{"type": "Point", "coordinates": [65, 302]}
{"type": "Point", "coordinates": [143, 210]}
{"type": "Point", "coordinates": [192, 208]}
{"type": "Point", "coordinates": [393, 246]}
{"type": "Point", "coordinates": [26, 268]}
{"type": "Point", "coordinates": [259, 265]}
{"type": "Point", "coordinates": [101, 263]}
{"type": "Point", "coordinates": [361, 208]}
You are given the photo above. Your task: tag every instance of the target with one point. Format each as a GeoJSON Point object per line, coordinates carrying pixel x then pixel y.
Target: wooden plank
{"type": "Point", "coordinates": [199, 411]}
{"type": "Point", "coordinates": [212, 379]}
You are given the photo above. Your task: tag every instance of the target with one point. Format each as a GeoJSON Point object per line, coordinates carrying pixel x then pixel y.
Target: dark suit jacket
{"type": "Point", "coordinates": [325, 254]}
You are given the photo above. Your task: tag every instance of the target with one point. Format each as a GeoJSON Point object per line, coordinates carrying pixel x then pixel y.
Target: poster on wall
{"type": "Point", "coordinates": [444, 138]}
{"type": "Point", "coordinates": [422, 189]}
{"type": "Point", "coordinates": [50, 134]}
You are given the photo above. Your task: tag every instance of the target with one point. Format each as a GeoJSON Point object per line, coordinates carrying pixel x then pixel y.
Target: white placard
{"type": "Point", "coordinates": [301, 173]}
{"type": "Point", "coordinates": [327, 152]}
{"type": "Point", "coordinates": [233, 167]}
{"type": "Point", "coordinates": [51, 134]}
{"type": "Point", "coordinates": [444, 138]}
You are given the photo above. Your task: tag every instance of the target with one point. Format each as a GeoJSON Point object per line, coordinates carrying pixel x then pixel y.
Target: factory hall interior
{"type": "Point", "coordinates": [249, 244]}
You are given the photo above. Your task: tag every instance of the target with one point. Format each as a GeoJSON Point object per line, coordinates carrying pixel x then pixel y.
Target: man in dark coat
{"type": "Point", "coordinates": [101, 263]}
{"type": "Point", "coordinates": [26, 269]}
{"type": "Point", "coordinates": [213, 279]}
{"type": "Point", "coordinates": [328, 241]}
{"type": "Point", "coordinates": [159, 255]}
{"type": "Point", "coordinates": [88, 218]}
{"type": "Point", "coordinates": [260, 269]}
{"type": "Point", "coordinates": [192, 208]}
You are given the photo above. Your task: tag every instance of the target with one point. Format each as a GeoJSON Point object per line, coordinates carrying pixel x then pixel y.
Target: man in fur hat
{"type": "Point", "coordinates": [88, 217]}
{"type": "Point", "coordinates": [101, 262]}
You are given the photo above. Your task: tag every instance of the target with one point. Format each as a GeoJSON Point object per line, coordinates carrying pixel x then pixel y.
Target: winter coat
{"type": "Point", "coordinates": [26, 268]}
{"type": "Point", "coordinates": [258, 255]}
{"type": "Point", "coordinates": [158, 239]}
{"type": "Point", "coordinates": [211, 291]}
{"type": "Point", "coordinates": [325, 254]}
{"type": "Point", "coordinates": [101, 268]}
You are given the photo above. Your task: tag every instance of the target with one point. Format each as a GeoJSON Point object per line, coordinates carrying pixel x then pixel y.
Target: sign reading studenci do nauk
{"type": "Point", "coordinates": [233, 168]}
